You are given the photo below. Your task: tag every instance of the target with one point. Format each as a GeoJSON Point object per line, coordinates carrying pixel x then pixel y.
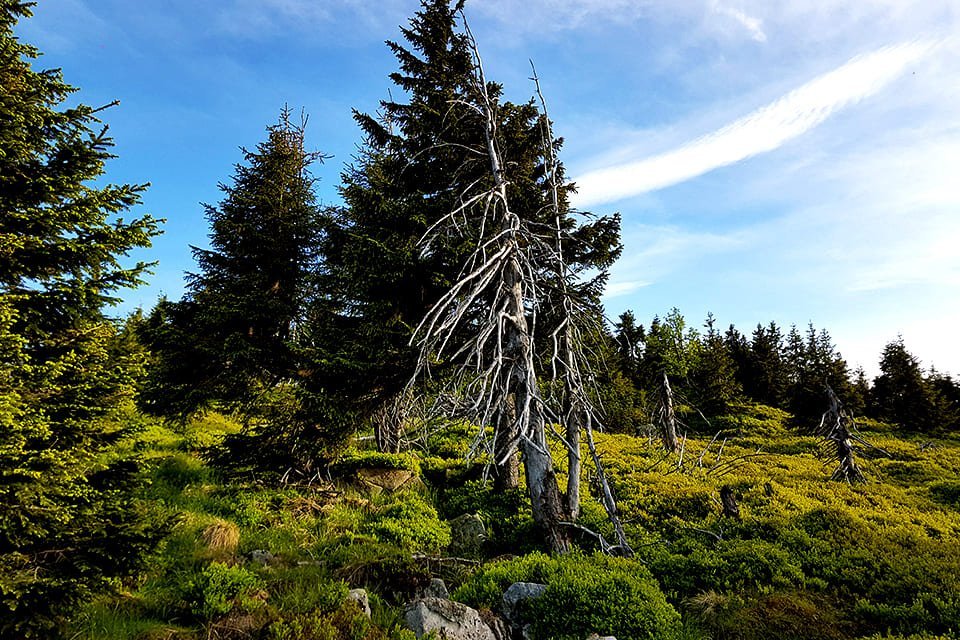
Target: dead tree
{"type": "Point", "coordinates": [486, 322]}
{"type": "Point", "coordinates": [664, 416]}
{"type": "Point", "coordinates": [729, 503]}
{"type": "Point", "coordinates": [569, 362]}
{"type": "Point", "coordinates": [486, 326]}
{"type": "Point", "coordinates": [835, 428]}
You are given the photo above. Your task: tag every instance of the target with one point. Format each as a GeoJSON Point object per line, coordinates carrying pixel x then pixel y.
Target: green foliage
{"type": "Point", "coordinates": [67, 519]}
{"type": "Point", "coordinates": [713, 377]}
{"type": "Point", "coordinates": [306, 589]}
{"type": "Point", "coordinates": [902, 395]}
{"type": "Point", "coordinates": [376, 565]}
{"type": "Point", "coordinates": [232, 334]}
{"type": "Point", "coordinates": [753, 420]}
{"type": "Point", "coordinates": [806, 555]}
{"type": "Point", "coordinates": [219, 588]}
{"type": "Point", "coordinates": [352, 459]}
{"type": "Point", "coordinates": [232, 339]}
{"type": "Point", "coordinates": [505, 513]}
{"type": "Point", "coordinates": [729, 566]}
{"type": "Point", "coordinates": [790, 615]}
{"type": "Point", "coordinates": [946, 492]}
{"type": "Point", "coordinates": [409, 521]}
{"type": "Point", "coordinates": [585, 594]}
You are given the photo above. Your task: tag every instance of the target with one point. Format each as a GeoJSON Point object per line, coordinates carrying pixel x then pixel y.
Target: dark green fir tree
{"type": "Point", "coordinates": [242, 338]}
{"type": "Point", "coordinates": [901, 394]}
{"type": "Point", "coordinates": [67, 521]}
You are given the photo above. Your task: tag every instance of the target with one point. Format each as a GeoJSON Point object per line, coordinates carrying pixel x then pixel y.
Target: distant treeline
{"type": "Point", "coordinates": [788, 370]}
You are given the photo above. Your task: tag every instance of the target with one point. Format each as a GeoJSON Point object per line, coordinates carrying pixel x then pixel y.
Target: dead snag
{"type": "Point", "coordinates": [835, 430]}
{"type": "Point", "coordinates": [664, 416]}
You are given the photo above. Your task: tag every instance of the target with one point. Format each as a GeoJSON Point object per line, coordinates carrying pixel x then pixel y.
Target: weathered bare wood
{"type": "Point", "coordinates": [835, 428]}
{"type": "Point", "coordinates": [580, 414]}
{"type": "Point", "coordinates": [497, 290]}
{"type": "Point", "coordinates": [729, 502]}
{"type": "Point", "coordinates": [664, 416]}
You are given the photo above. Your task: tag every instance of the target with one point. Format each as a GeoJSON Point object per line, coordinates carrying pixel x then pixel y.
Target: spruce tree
{"type": "Point", "coordinates": [244, 336]}
{"type": "Point", "coordinates": [739, 349]}
{"type": "Point", "coordinates": [429, 165]}
{"type": "Point", "coordinates": [713, 376]}
{"type": "Point", "coordinates": [766, 377]}
{"type": "Point", "coordinates": [401, 183]}
{"type": "Point", "coordinates": [67, 521]}
{"type": "Point", "coordinates": [900, 393]}
{"type": "Point", "coordinates": [813, 362]}
{"type": "Point", "coordinates": [629, 338]}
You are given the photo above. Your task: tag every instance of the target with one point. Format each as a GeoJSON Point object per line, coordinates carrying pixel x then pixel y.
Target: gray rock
{"type": "Point", "coordinates": [437, 589]}
{"type": "Point", "coordinates": [499, 627]}
{"type": "Point", "coordinates": [451, 620]}
{"type": "Point", "coordinates": [261, 556]}
{"type": "Point", "coordinates": [467, 536]}
{"type": "Point", "coordinates": [594, 636]}
{"type": "Point", "coordinates": [513, 597]}
{"type": "Point", "coordinates": [360, 597]}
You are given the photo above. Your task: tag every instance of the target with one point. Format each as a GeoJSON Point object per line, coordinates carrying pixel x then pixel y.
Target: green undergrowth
{"type": "Point", "coordinates": [807, 557]}
{"type": "Point", "coordinates": [585, 594]}
{"type": "Point", "coordinates": [245, 559]}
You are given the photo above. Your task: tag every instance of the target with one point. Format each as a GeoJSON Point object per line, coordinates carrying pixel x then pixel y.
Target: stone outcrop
{"type": "Point", "coordinates": [467, 536]}
{"type": "Point", "coordinates": [436, 589]}
{"type": "Point", "coordinates": [360, 597]}
{"type": "Point", "coordinates": [515, 596]}
{"type": "Point", "coordinates": [450, 620]}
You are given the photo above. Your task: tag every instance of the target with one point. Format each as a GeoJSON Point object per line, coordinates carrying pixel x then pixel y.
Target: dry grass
{"type": "Point", "coordinates": [221, 538]}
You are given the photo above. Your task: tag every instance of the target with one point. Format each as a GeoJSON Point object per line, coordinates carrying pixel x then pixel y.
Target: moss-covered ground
{"type": "Point", "coordinates": [245, 557]}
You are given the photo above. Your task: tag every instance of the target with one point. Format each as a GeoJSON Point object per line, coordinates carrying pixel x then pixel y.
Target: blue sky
{"type": "Point", "coordinates": [772, 159]}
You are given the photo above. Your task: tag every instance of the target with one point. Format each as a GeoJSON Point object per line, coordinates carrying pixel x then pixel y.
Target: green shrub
{"type": "Point", "coordinates": [218, 588]}
{"type": "Point", "coordinates": [375, 565]}
{"type": "Point", "coordinates": [178, 471]}
{"type": "Point", "coordinates": [410, 522]}
{"type": "Point", "coordinates": [305, 589]}
{"type": "Point", "coordinates": [347, 622]}
{"type": "Point", "coordinates": [506, 515]}
{"type": "Point", "coordinates": [690, 568]}
{"type": "Point", "coordinates": [353, 459]}
{"type": "Point", "coordinates": [946, 492]}
{"type": "Point", "coordinates": [784, 616]}
{"type": "Point", "coordinates": [585, 594]}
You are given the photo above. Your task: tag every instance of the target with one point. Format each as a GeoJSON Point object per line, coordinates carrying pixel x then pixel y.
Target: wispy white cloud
{"type": "Point", "coordinates": [623, 287]}
{"type": "Point", "coordinates": [655, 251]}
{"type": "Point", "coordinates": [753, 25]}
{"type": "Point", "coordinates": [763, 130]}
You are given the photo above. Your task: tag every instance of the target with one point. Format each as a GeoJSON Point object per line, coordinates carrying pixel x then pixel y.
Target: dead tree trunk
{"type": "Point", "coordinates": [835, 428]}
{"type": "Point", "coordinates": [388, 422]}
{"type": "Point", "coordinates": [579, 414]}
{"type": "Point", "coordinates": [729, 503]}
{"type": "Point", "coordinates": [664, 417]}
{"type": "Point", "coordinates": [506, 475]}
{"type": "Point", "coordinates": [490, 303]}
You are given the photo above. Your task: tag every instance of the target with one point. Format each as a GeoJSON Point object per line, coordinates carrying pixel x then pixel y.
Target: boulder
{"type": "Point", "coordinates": [518, 593]}
{"type": "Point", "coordinates": [389, 480]}
{"type": "Point", "coordinates": [594, 636]}
{"type": "Point", "coordinates": [450, 620]}
{"type": "Point", "coordinates": [261, 556]}
{"type": "Point", "coordinates": [436, 589]}
{"type": "Point", "coordinates": [499, 627]}
{"type": "Point", "coordinates": [467, 536]}
{"type": "Point", "coordinates": [361, 598]}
